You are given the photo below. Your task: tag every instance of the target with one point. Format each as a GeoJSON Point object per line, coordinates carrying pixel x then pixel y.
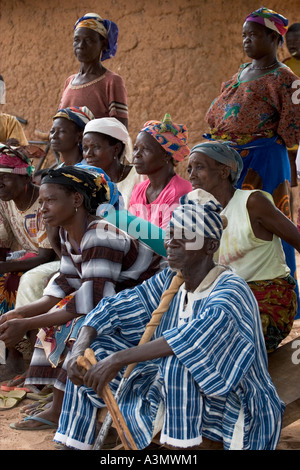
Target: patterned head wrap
{"type": "Point", "coordinates": [80, 115]}
{"type": "Point", "coordinates": [172, 137]}
{"type": "Point", "coordinates": [198, 215]}
{"type": "Point", "coordinates": [91, 184]}
{"type": "Point", "coordinates": [114, 193]}
{"type": "Point", "coordinates": [114, 128]}
{"type": "Point", "coordinates": [16, 160]}
{"type": "Point", "coordinates": [270, 19]}
{"type": "Point", "coordinates": [107, 29]}
{"type": "Point", "coordinates": [223, 153]}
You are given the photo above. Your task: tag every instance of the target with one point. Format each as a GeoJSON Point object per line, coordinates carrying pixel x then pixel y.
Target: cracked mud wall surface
{"type": "Point", "coordinates": [173, 55]}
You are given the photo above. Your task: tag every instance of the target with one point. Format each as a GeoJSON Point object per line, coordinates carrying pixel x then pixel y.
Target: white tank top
{"type": "Point", "coordinates": [251, 258]}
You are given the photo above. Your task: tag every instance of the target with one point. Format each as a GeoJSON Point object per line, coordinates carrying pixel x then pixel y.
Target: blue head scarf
{"type": "Point", "coordinates": [114, 194]}
{"type": "Point", "coordinates": [106, 28]}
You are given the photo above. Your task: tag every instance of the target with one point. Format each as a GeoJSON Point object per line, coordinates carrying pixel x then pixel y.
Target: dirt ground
{"type": "Point", "coordinates": [11, 439]}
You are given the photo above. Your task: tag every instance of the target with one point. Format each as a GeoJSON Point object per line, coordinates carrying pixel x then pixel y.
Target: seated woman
{"type": "Point", "coordinates": [251, 243]}
{"type": "Point", "coordinates": [94, 86]}
{"type": "Point", "coordinates": [97, 260]}
{"type": "Point", "coordinates": [66, 133]}
{"type": "Point", "coordinates": [159, 146]}
{"type": "Point", "coordinates": [23, 239]}
{"type": "Point", "coordinates": [106, 147]}
{"type": "Point", "coordinates": [106, 144]}
{"type": "Point", "coordinates": [65, 137]}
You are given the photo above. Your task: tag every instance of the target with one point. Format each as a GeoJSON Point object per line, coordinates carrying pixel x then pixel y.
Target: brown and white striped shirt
{"type": "Point", "coordinates": [110, 261]}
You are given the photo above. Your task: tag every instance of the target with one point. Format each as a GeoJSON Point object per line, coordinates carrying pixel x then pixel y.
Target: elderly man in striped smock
{"type": "Point", "coordinates": [203, 374]}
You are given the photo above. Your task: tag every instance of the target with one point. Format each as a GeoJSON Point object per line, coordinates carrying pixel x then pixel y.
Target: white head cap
{"type": "Point", "coordinates": [114, 128]}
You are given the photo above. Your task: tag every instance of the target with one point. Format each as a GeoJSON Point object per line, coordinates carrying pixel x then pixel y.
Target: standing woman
{"type": "Point", "coordinates": [97, 261]}
{"type": "Point", "coordinates": [66, 133]}
{"type": "Point", "coordinates": [94, 86]}
{"type": "Point", "coordinates": [159, 146]}
{"type": "Point", "coordinates": [256, 111]}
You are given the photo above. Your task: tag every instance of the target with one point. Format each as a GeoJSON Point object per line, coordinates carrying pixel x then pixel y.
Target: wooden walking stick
{"type": "Point", "coordinates": [125, 435]}
{"type": "Point", "coordinates": [156, 316]}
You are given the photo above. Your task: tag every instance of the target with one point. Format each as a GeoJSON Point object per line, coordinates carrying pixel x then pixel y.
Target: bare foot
{"type": "Point", "coordinates": [35, 408]}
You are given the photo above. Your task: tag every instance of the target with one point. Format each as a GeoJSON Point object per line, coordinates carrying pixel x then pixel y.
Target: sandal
{"type": "Point", "coordinates": [6, 388]}
{"type": "Point", "coordinates": [45, 394]}
{"type": "Point", "coordinates": [18, 380]}
{"type": "Point", "coordinates": [39, 396]}
{"type": "Point", "coordinates": [10, 399]}
{"type": "Point", "coordinates": [45, 424]}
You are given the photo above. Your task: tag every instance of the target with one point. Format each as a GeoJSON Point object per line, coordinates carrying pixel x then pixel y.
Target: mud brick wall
{"type": "Point", "coordinates": [172, 54]}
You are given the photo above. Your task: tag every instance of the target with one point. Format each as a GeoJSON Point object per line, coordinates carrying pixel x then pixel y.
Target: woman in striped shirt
{"type": "Point", "coordinates": [97, 260]}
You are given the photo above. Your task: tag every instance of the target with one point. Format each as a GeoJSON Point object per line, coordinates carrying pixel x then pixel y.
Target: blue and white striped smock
{"type": "Point", "coordinates": [217, 374]}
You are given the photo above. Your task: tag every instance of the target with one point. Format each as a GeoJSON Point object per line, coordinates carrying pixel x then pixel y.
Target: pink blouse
{"type": "Point", "coordinates": [158, 212]}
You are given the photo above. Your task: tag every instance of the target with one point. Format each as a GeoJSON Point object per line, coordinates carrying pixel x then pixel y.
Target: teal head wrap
{"type": "Point", "coordinates": [224, 153]}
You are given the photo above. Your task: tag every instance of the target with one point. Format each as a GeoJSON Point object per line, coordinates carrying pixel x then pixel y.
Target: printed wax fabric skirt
{"type": "Point", "coordinates": [52, 351]}
{"type": "Point", "coordinates": [9, 283]}
{"type": "Point", "coordinates": [277, 303]}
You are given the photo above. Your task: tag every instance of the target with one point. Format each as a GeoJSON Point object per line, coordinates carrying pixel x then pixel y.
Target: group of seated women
{"type": "Point", "coordinates": [96, 224]}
